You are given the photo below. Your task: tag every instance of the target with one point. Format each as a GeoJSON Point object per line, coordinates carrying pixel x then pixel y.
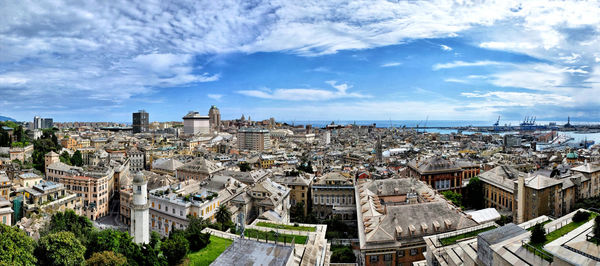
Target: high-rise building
{"type": "Point", "coordinates": [40, 123]}
{"type": "Point", "coordinates": [140, 122]}
{"type": "Point", "coordinates": [140, 222]}
{"type": "Point", "coordinates": [215, 118]}
{"type": "Point", "coordinates": [255, 139]}
{"type": "Point", "coordinates": [194, 123]}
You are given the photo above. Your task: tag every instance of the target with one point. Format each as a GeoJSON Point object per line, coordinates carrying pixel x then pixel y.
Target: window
{"type": "Point", "coordinates": [414, 251]}
{"type": "Point", "coordinates": [387, 257]}
{"type": "Point", "coordinates": [401, 253]}
{"type": "Point", "coordinates": [373, 258]}
{"type": "Point", "coordinates": [166, 208]}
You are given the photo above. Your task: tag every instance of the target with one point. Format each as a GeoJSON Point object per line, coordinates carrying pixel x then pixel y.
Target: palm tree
{"type": "Point", "coordinates": [223, 215]}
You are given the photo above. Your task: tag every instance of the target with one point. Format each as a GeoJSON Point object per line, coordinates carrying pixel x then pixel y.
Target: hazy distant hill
{"type": "Point", "coordinates": [4, 118]}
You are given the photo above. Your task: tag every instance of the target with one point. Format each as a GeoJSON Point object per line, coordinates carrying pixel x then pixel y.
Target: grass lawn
{"type": "Point", "coordinates": [209, 253]}
{"type": "Point", "coordinates": [288, 227]}
{"type": "Point", "coordinates": [452, 239]}
{"type": "Point", "coordinates": [251, 233]}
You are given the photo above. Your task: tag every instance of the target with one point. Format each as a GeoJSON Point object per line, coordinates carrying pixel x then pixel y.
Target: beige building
{"type": "Point", "coordinates": [21, 153]}
{"type": "Point", "coordinates": [265, 199]}
{"type": "Point", "coordinates": [333, 195]}
{"type": "Point", "coordinates": [28, 179]}
{"type": "Point", "coordinates": [591, 171]}
{"type": "Point", "coordinates": [299, 189]}
{"type": "Point", "coordinates": [94, 184]}
{"type": "Point", "coordinates": [198, 169]}
{"type": "Point", "coordinates": [5, 211]}
{"type": "Point", "coordinates": [49, 197]}
{"type": "Point", "coordinates": [5, 185]}
{"type": "Point", "coordinates": [253, 139]}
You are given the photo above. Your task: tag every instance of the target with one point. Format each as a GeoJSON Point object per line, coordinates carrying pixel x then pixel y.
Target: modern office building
{"type": "Point", "coordinates": [194, 123]}
{"type": "Point", "coordinates": [254, 139]}
{"type": "Point", "coordinates": [140, 122]}
{"type": "Point", "coordinates": [215, 118]}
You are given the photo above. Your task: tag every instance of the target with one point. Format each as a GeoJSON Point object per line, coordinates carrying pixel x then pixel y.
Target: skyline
{"type": "Point", "coordinates": [301, 61]}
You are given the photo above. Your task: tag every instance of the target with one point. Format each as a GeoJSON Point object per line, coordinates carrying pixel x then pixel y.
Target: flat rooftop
{"type": "Point", "coordinates": [251, 252]}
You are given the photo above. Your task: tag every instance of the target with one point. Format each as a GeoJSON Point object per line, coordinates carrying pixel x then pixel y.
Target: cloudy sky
{"type": "Point", "coordinates": [300, 60]}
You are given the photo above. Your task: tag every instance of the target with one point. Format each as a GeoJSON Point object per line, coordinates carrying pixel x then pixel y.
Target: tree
{"type": "Point", "coordinates": [116, 241]}
{"type": "Point", "coordinates": [223, 215]}
{"type": "Point", "coordinates": [538, 234]}
{"type": "Point", "coordinates": [297, 212]}
{"type": "Point", "coordinates": [81, 226]}
{"type": "Point", "coordinates": [16, 248]}
{"type": "Point", "coordinates": [60, 248]}
{"type": "Point", "coordinates": [175, 248]}
{"type": "Point", "coordinates": [474, 194]}
{"type": "Point", "coordinates": [65, 158]}
{"type": "Point", "coordinates": [580, 216]}
{"type": "Point", "coordinates": [107, 258]}
{"type": "Point", "coordinates": [342, 254]}
{"type": "Point", "coordinates": [194, 235]}
{"type": "Point", "coordinates": [455, 197]}
{"type": "Point", "coordinates": [77, 159]}
{"type": "Point", "coordinates": [245, 167]}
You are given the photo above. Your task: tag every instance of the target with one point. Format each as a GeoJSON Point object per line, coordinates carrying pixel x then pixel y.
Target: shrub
{"type": "Point", "coordinates": [581, 216]}
{"type": "Point", "coordinates": [538, 234]}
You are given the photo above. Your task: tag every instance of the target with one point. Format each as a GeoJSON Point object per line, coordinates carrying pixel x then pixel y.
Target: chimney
{"type": "Point", "coordinates": [521, 199]}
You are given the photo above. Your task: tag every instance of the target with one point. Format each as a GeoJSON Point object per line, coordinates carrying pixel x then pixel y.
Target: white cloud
{"type": "Point", "coordinates": [391, 64]}
{"type": "Point", "coordinates": [446, 47]}
{"type": "Point", "coordinates": [455, 80]}
{"type": "Point", "coordinates": [216, 97]}
{"type": "Point", "coordinates": [306, 94]}
{"type": "Point", "coordinates": [466, 64]}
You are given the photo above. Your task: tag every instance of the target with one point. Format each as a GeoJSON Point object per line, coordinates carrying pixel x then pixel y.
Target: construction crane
{"type": "Point", "coordinates": [497, 122]}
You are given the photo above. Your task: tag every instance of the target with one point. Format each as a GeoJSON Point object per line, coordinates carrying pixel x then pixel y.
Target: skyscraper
{"type": "Point", "coordinates": [215, 118]}
{"type": "Point", "coordinates": [140, 122]}
{"type": "Point", "coordinates": [40, 123]}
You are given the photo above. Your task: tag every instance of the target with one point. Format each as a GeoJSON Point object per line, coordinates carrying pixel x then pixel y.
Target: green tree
{"type": "Point", "coordinates": [342, 254]}
{"type": "Point", "coordinates": [65, 158]}
{"type": "Point", "coordinates": [474, 194]}
{"type": "Point", "coordinates": [81, 226]}
{"type": "Point", "coordinates": [194, 235]}
{"type": "Point", "coordinates": [297, 213]}
{"type": "Point", "coordinates": [245, 167]}
{"type": "Point", "coordinates": [16, 248]}
{"type": "Point", "coordinates": [60, 248]}
{"type": "Point", "coordinates": [77, 159]}
{"type": "Point", "coordinates": [538, 234]}
{"type": "Point", "coordinates": [107, 258]}
{"type": "Point", "coordinates": [5, 140]}
{"type": "Point", "coordinates": [115, 241]}
{"type": "Point", "coordinates": [597, 227]}
{"type": "Point", "coordinates": [175, 248]}
{"type": "Point", "coordinates": [223, 216]}
{"type": "Point", "coordinates": [455, 197]}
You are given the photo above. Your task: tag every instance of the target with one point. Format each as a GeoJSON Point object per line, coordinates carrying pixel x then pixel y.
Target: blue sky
{"type": "Point", "coordinates": [301, 60]}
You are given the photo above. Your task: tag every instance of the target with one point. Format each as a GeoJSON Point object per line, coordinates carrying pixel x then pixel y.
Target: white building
{"type": "Point", "coordinates": [140, 222]}
{"type": "Point", "coordinates": [255, 139]}
{"type": "Point", "coordinates": [194, 123]}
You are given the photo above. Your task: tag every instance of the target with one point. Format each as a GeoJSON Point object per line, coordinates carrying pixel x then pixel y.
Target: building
{"type": "Point", "coordinates": [333, 196]}
{"type": "Point", "coordinates": [41, 123]}
{"type": "Point", "coordinates": [94, 184]}
{"type": "Point", "coordinates": [265, 199]}
{"type": "Point", "coordinates": [395, 214]}
{"type": "Point", "coordinates": [299, 189]}
{"type": "Point", "coordinates": [28, 180]}
{"type": "Point", "coordinates": [5, 185]}
{"type": "Point", "coordinates": [140, 221]}
{"type": "Point", "coordinates": [6, 211]}
{"type": "Point", "coordinates": [137, 160]}
{"type": "Point", "coordinates": [214, 118]}
{"type": "Point", "coordinates": [166, 166]}
{"type": "Point", "coordinates": [591, 171]}
{"type": "Point", "coordinates": [140, 122]}
{"type": "Point", "coordinates": [440, 173]}
{"type": "Point", "coordinates": [194, 123]}
{"type": "Point", "coordinates": [197, 169]}
{"type": "Point", "coordinates": [21, 153]}
{"type": "Point", "coordinates": [69, 143]}
{"type": "Point", "coordinates": [254, 139]}
{"type": "Point", "coordinates": [48, 197]}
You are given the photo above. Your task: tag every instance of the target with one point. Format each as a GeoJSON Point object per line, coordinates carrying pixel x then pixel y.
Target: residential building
{"type": "Point", "coordinates": [265, 199]}
{"type": "Point", "coordinates": [166, 166]}
{"type": "Point", "coordinates": [41, 123]}
{"type": "Point", "coordinates": [94, 184]}
{"type": "Point", "coordinates": [591, 171]}
{"type": "Point", "coordinates": [137, 160]}
{"type": "Point", "coordinates": [254, 139]}
{"type": "Point", "coordinates": [194, 123]}
{"type": "Point", "coordinates": [333, 196]}
{"type": "Point", "coordinates": [28, 180]}
{"type": "Point", "coordinates": [395, 214]}
{"type": "Point", "coordinates": [48, 197]}
{"type": "Point", "coordinates": [5, 185]}
{"type": "Point", "coordinates": [69, 143]}
{"type": "Point", "coordinates": [140, 122]}
{"type": "Point", "coordinates": [299, 189]}
{"type": "Point", "coordinates": [6, 211]}
{"type": "Point", "coordinates": [21, 153]}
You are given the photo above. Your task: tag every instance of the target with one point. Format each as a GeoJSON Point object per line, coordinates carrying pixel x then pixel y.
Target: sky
{"type": "Point", "coordinates": [300, 60]}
